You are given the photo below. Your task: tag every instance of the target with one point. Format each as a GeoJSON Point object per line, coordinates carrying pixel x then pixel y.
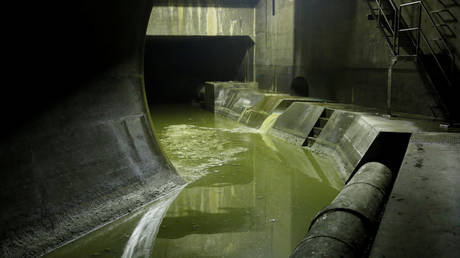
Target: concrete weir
{"type": "Point", "coordinates": [296, 123]}
{"type": "Point", "coordinates": [368, 150]}
{"type": "Point", "coordinates": [349, 135]}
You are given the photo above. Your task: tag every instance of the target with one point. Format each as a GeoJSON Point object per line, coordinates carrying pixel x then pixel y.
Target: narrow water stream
{"type": "Point", "coordinates": [249, 194]}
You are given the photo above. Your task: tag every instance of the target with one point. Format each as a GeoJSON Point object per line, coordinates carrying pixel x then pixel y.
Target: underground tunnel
{"type": "Point", "coordinates": [218, 128]}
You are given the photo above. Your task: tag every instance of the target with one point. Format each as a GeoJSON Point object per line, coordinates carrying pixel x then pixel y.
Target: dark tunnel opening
{"type": "Point", "coordinates": [175, 67]}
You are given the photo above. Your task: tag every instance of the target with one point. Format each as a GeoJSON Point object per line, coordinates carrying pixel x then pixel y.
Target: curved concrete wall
{"type": "Point", "coordinates": [81, 152]}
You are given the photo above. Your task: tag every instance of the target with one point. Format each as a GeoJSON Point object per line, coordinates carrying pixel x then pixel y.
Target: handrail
{"type": "Point", "coordinates": [393, 5]}
{"type": "Point", "coordinates": [436, 28]}
{"type": "Point", "coordinates": [388, 22]}
{"type": "Point", "coordinates": [441, 37]}
{"type": "Point", "coordinates": [418, 28]}
{"type": "Point", "coordinates": [400, 27]}
{"type": "Point", "coordinates": [411, 3]}
{"type": "Point", "coordinates": [395, 10]}
{"type": "Point", "coordinates": [393, 28]}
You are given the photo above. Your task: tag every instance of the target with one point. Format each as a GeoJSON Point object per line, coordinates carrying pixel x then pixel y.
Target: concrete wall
{"type": "Point", "coordinates": [344, 57]}
{"type": "Point", "coordinates": [201, 20]}
{"type": "Point", "coordinates": [332, 44]}
{"type": "Point", "coordinates": [76, 145]}
{"type": "Point", "coordinates": [213, 45]}
{"type": "Point", "coordinates": [274, 59]}
{"type": "Point", "coordinates": [77, 148]}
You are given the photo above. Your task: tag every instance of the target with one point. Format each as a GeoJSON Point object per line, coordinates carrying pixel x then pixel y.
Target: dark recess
{"type": "Point", "coordinates": [177, 66]}
{"type": "Point", "coordinates": [64, 49]}
{"type": "Point", "coordinates": [388, 148]}
{"type": "Point", "coordinates": [300, 87]}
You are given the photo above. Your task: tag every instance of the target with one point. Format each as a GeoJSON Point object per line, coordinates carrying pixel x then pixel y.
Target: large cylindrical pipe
{"type": "Point", "coordinates": [344, 227]}
{"type": "Point", "coordinates": [77, 148]}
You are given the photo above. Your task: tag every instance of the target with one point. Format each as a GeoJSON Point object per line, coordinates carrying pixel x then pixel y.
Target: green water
{"type": "Point", "coordinates": [250, 195]}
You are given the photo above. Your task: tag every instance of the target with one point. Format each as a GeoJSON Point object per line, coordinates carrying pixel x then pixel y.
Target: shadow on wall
{"type": "Point", "coordinates": [77, 148]}
{"type": "Point", "coordinates": [177, 66]}
{"type": "Point", "coordinates": [300, 87]}
{"type": "Point", "coordinates": [324, 35]}
{"type": "Point", "coordinates": [388, 148]}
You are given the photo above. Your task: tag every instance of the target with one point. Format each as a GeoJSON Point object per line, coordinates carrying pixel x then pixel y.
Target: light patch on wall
{"type": "Point", "coordinates": [203, 21]}
{"type": "Point", "coordinates": [180, 19]}
{"type": "Point", "coordinates": [211, 21]}
{"type": "Point", "coordinates": [199, 19]}
{"type": "Point", "coordinates": [232, 26]}
{"type": "Point", "coordinates": [189, 25]}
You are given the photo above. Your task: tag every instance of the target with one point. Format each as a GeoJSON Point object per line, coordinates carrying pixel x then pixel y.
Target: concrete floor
{"type": "Point", "coordinates": [421, 218]}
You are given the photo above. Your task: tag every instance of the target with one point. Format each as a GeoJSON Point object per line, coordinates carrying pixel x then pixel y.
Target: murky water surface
{"type": "Point", "coordinates": [249, 195]}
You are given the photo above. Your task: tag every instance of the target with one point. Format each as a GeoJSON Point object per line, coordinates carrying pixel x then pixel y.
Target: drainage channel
{"type": "Point", "coordinates": [249, 195]}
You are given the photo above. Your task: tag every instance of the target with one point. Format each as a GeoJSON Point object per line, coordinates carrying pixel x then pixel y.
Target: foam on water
{"type": "Point", "coordinates": [195, 150]}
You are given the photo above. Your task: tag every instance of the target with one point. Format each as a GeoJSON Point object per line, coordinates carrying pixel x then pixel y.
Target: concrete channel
{"type": "Point", "coordinates": [79, 150]}
{"type": "Point", "coordinates": [369, 150]}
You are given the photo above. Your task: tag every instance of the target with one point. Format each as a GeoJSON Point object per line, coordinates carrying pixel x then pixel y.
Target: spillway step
{"type": "Point", "coordinates": [316, 131]}
{"type": "Point", "coordinates": [310, 141]}
{"type": "Point", "coordinates": [321, 122]}
{"type": "Point", "coordinates": [327, 113]}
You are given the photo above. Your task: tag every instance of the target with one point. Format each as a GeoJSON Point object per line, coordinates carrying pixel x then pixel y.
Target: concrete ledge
{"type": "Point", "coordinates": [295, 124]}
{"type": "Point", "coordinates": [218, 93]}
{"type": "Point", "coordinates": [345, 138]}
{"type": "Point", "coordinates": [270, 103]}
{"type": "Point", "coordinates": [231, 100]}
{"type": "Point", "coordinates": [243, 102]}
{"type": "Point", "coordinates": [352, 137]}
{"type": "Point", "coordinates": [343, 132]}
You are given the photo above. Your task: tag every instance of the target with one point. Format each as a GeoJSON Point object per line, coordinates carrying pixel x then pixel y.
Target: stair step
{"type": "Point", "coordinates": [409, 29]}
{"type": "Point", "coordinates": [310, 141]}
{"type": "Point", "coordinates": [315, 132]}
{"type": "Point", "coordinates": [327, 112]}
{"type": "Point", "coordinates": [407, 57]}
{"type": "Point", "coordinates": [440, 10]}
{"type": "Point", "coordinates": [321, 122]}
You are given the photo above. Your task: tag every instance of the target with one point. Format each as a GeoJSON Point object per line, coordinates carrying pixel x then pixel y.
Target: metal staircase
{"type": "Point", "coordinates": [419, 40]}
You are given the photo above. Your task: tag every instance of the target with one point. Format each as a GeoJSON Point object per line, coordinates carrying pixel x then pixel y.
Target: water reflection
{"type": "Point", "coordinates": [254, 202]}
{"type": "Point", "coordinates": [258, 204]}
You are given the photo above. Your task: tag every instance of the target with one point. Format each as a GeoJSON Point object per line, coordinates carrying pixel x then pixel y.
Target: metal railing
{"type": "Point", "coordinates": [393, 28]}
{"type": "Point", "coordinates": [443, 46]}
